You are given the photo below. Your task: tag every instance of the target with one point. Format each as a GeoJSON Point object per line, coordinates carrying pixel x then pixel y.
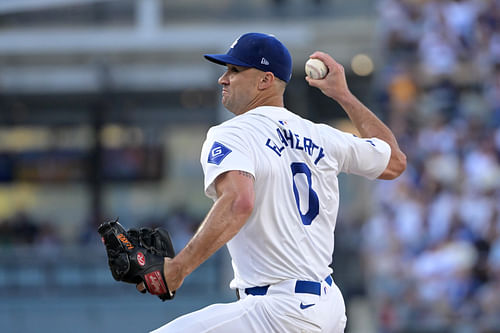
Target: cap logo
{"type": "Point", "coordinates": [264, 61]}
{"type": "Point", "coordinates": [235, 42]}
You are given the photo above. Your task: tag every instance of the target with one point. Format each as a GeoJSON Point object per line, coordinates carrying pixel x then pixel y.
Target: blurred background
{"type": "Point", "coordinates": [104, 105]}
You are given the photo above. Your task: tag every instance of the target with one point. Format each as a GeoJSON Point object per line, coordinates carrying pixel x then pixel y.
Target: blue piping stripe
{"type": "Point", "coordinates": [329, 280]}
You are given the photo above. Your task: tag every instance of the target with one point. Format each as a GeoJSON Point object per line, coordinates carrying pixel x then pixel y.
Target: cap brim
{"type": "Point", "coordinates": [224, 59]}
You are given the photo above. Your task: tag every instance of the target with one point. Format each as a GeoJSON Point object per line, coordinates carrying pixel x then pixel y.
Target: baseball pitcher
{"type": "Point", "coordinates": [273, 178]}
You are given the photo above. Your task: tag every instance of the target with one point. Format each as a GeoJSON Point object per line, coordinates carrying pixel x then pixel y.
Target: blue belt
{"type": "Point", "coordinates": [303, 287]}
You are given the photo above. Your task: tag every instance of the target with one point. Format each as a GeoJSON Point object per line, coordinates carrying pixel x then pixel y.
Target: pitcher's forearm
{"type": "Point", "coordinates": [365, 121]}
{"type": "Point", "coordinates": [369, 125]}
{"type": "Point", "coordinates": [221, 224]}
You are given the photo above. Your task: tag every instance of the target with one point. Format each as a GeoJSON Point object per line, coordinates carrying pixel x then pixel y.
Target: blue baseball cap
{"type": "Point", "coordinates": [262, 51]}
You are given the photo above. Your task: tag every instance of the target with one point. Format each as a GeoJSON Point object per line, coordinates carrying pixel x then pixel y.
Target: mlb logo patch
{"type": "Point", "coordinates": [217, 153]}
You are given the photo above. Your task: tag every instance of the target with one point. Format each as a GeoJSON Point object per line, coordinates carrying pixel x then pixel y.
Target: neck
{"type": "Point", "coordinates": [275, 100]}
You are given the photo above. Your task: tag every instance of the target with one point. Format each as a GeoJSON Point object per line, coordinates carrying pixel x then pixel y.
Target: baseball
{"type": "Point", "coordinates": [316, 69]}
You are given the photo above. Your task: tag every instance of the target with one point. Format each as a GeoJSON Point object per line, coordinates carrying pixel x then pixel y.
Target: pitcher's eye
{"type": "Point", "coordinates": [236, 69]}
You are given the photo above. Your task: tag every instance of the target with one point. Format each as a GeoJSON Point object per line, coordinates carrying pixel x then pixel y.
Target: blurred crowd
{"type": "Point", "coordinates": [432, 248]}
{"type": "Point", "coordinates": [24, 230]}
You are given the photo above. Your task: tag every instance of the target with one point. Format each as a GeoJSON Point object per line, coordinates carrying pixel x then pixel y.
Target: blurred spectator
{"type": "Point", "coordinates": [18, 229]}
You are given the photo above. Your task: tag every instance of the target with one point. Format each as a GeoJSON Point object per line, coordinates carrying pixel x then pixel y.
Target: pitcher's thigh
{"type": "Point", "coordinates": [245, 316]}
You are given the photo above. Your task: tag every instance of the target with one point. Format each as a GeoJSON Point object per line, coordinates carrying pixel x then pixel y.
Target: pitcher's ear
{"type": "Point", "coordinates": [266, 80]}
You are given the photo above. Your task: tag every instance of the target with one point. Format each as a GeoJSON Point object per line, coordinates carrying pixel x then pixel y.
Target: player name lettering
{"type": "Point", "coordinates": [289, 139]}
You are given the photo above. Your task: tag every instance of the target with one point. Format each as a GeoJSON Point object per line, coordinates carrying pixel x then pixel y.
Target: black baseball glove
{"type": "Point", "coordinates": [136, 256]}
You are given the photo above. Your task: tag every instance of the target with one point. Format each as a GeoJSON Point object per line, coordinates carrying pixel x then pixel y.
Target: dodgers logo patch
{"type": "Point", "coordinates": [217, 153]}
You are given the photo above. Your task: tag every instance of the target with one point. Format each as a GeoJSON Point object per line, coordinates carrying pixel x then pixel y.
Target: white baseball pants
{"type": "Point", "coordinates": [280, 310]}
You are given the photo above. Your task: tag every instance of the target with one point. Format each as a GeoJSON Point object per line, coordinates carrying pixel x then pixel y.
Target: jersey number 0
{"type": "Point", "coordinates": [313, 210]}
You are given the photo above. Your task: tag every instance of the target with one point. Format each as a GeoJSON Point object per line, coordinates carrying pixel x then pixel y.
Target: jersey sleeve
{"type": "Point", "coordinates": [367, 157]}
{"type": "Point", "coordinates": [225, 149]}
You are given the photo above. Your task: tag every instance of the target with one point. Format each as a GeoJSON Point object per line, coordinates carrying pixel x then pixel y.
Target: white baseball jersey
{"type": "Point", "coordinates": [295, 163]}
